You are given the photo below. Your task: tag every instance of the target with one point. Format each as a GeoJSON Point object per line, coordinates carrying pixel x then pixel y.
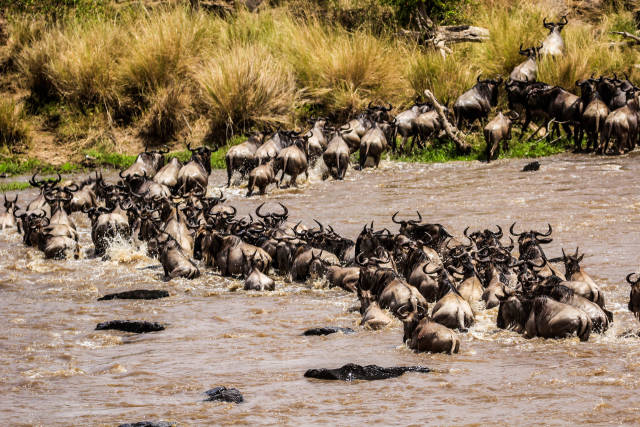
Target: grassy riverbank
{"type": "Point", "coordinates": [103, 79]}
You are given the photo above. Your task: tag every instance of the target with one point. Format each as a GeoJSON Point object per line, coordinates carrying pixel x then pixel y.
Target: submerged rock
{"type": "Point", "coordinates": [148, 424]}
{"type": "Point", "coordinates": [223, 394]}
{"type": "Point", "coordinates": [351, 371]}
{"type": "Point", "coordinates": [531, 167]}
{"type": "Point", "coordinates": [136, 326]}
{"type": "Point", "coordinates": [137, 294]}
{"type": "Point", "coordinates": [327, 330]}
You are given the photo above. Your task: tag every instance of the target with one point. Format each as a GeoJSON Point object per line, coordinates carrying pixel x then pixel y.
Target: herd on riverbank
{"type": "Point", "coordinates": [393, 274]}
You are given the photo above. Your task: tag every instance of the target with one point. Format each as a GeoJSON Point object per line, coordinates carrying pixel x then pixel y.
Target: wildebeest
{"type": "Point", "coordinates": [336, 156]}
{"type": "Point", "coordinates": [147, 163]}
{"type": "Point", "coordinates": [527, 70]}
{"type": "Point", "coordinates": [543, 317]}
{"type": "Point", "coordinates": [423, 334]}
{"type": "Point", "coordinates": [292, 161]}
{"type": "Point", "coordinates": [553, 44]}
{"type": "Point", "coordinates": [261, 177]}
{"type": "Point", "coordinates": [476, 103]}
{"type": "Point", "coordinates": [594, 114]}
{"type": "Point", "coordinates": [621, 125]}
{"type": "Point", "coordinates": [496, 131]}
{"type": "Point", "coordinates": [175, 262]}
{"type": "Point", "coordinates": [242, 157]}
{"type": "Point", "coordinates": [195, 174]}
{"type": "Point", "coordinates": [168, 175]}
{"type": "Point", "coordinates": [405, 121]}
{"type": "Point", "coordinates": [634, 295]}
{"type": "Point", "coordinates": [7, 218]}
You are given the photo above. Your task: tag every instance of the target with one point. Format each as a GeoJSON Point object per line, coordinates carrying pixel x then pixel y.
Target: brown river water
{"type": "Point", "coordinates": [55, 369]}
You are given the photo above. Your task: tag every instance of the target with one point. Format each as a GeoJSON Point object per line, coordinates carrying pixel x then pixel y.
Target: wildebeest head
{"type": "Point", "coordinates": [46, 184]}
{"type": "Point", "coordinates": [572, 262]}
{"type": "Point", "coordinates": [410, 314]}
{"type": "Point", "coordinates": [529, 242]}
{"type": "Point", "coordinates": [514, 312]}
{"type": "Point", "coordinates": [378, 113]}
{"type": "Point", "coordinates": [201, 155]}
{"type": "Point", "coordinates": [489, 88]}
{"type": "Point", "coordinates": [555, 26]}
{"type": "Point", "coordinates": [11, 205]}
{"type": "Point", "coordinates": [274, 219]}
{"type": "Point", "coordinates": [532, 52]}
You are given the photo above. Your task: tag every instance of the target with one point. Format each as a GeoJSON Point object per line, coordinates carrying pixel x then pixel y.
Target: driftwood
{"type": "Point", "coordinates": [451, 131]}
{"type": "Point", "coordinates": [635, 39]}
{"type": "Point", "coordinates": [440, 37]}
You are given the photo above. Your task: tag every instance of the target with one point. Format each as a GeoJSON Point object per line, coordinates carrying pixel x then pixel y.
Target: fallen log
{"type": "Point", "coordinates": [451, 131]}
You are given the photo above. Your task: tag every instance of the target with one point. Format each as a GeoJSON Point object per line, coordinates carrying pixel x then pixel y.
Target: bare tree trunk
{"type": "Point", "coordinates": [451, 131]}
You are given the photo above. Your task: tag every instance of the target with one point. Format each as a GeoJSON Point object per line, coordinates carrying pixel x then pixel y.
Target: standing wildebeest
{"type": "Point", "coordinates": [195, 174]}
{"type": "Point", "coordinates": [147, 163]}
{"type": "Point", "coordinates": [336, 156]}
{"type": "Point", "coordinates": [272, 146]}
{"type": "Point", "coordinates": [475, 104]}
{"type": "Point", "coordinates": [292, 161]}
{"type": "Point", "coordinates": [317, 142]}
{"type": "Point", "coordinates": [421, 333]}
{"type": "Point", "coordinates": [168, 175]}
{"type": "Point", "coordinates": [242, 157]}
{"type": "Point", "coordinates": [634, 296]}
{"type": "Point", "coordinates": [7, 219]}
{"type": "Point", "coordinates": [519, 100]}
{"type": "Point", "coordinates": [498, 129]}
{"type": "Point", "coordinates": [261, 177]}
{"type": "Point", "coordinates": [527, 70]}
{"type": "Point", "coordinates": [372, 144]}
{"type": "Point", "coordinates": [553, 44]}
{"type": "Point", "coordinates": [405, 121]}
{"type": "Point", "coordinates": [621, 125]}
{"type": "Point", "coordinates": [560, 105]}
{"type": "Point", "coordinates": [594, 114]}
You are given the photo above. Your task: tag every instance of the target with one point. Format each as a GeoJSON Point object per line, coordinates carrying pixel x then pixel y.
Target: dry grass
{"type": "Point", "coordinates": [14, 129]}
{"type": "Point", "coordinates": [245, 87]}
{"type": "Point", "coordinates": [169, 108]}
{"type": "Point", "coordinates": [150, 67]}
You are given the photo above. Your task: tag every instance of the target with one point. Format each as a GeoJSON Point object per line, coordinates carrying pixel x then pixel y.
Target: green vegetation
{"type": "Point", "coordinates": [13, 186]}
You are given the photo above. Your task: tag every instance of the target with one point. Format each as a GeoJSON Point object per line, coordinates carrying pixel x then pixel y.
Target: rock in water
{"type": "Point", "coordinates": [531, 167]}
{"type": "Point", "coordinates": [223, 394]}
{"type": "Point", "coordinates": [148, 424]}
{"type": "Point", "coordinates": [327, 330]}
{"type": "Point", "coordinates": [136, 294]}
{"type": "Point", "coordinates": [352, 372]}
{"type": "Point", "coordinates": [136, 326]}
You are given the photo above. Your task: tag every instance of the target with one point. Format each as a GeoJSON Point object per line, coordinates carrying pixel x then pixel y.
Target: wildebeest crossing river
{"type": "Point", "coordinates": [56, 369]}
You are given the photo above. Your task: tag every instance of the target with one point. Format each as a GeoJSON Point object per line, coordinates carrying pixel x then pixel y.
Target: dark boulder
{"type": "Point", "coordinates": [136, 294]}
{"type": "Point", "coordinates": [148, 424]}
{"type": "Point", "coordinates": [531, 167]}
{"type": "Point", "coordinates": [136, 326]}
{"type": "Point", "coordinates": [223, 394]}
{"type": "Point", "coordinates": [352, 372]}
{"type": "Point", "coordinates": [327, 330]}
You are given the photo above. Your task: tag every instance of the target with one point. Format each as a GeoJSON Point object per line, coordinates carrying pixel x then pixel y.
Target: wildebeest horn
{"type": "Point", "coordinates": [548, 233]}
{"type": "Point", "coordinates": [360, 261]}
{"type": "Point", "coordinates": [544, 22]}
{"type": "Point", "coordinates": [413, 221]}
{"type": "Point", "coordinates": [478, 78]}
{"type": "Point", "coordinates": [189, 147]}
{"type": "Point", "coordinates": [369, 106]}
{"type": "Point", "coordinates": [73, 187]}
{"type": "Point", "coordinates": [513, 233]}
{"type": "Point", "coordinates": [258, 211]}
{"type": "Point", "coordinates": [538, 48]}
{"type": "Point", "coordinates": [319, 225]}
{"type": "Point", "coordinates": [565, 21]}
{"type": "Point", "coordinates": [164, 150]}
{"type": "Point", "coordinates": [497, 234]}
{"type": "Point", "coordinates": [521, 51]}
{"type": "Point", "coordinates": [120, 173]}
{"type": "Point", "coordinates": [285, 213]}
{"type": "Point", "coordinates": [393, 218]}
{"type": "Point", "coordinates": [389, 108]}
{"type": "Point", "coordinates": [424, 269]}
{"type": "Point", "coordinates": [631, 281]}
{"type": "Point", "coordinates": [577, 250]}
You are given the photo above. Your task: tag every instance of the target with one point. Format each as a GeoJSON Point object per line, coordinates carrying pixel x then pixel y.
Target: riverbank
{"type": "Point", "coordinates": [105, 81]}
{"type": "Point", "coordinates": [93, 158]}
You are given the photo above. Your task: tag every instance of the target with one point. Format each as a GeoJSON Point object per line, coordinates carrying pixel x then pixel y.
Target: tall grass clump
{"type": "Point", "coordinates": [83, 70]}
{"type": "Point", "coordinates": [162, 48]}
{"type": "Point", "coordinates": [343, 71]}
{"type": "Point", "coordinates": [14, 130]}
{"type": "Point", "coordinates": [169, 108]}
{"type": "Point", "coordinates": [245, 87]}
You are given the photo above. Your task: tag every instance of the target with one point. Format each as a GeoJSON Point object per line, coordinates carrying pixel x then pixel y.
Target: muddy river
{"type": "Point", "coordinates": [55, 369]}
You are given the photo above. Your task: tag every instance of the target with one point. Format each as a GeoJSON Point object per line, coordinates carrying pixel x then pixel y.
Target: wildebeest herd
{"type": "Point", "coordinates": [397, 274]}
{"type": "Point", "coordinates": [606, 112]}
